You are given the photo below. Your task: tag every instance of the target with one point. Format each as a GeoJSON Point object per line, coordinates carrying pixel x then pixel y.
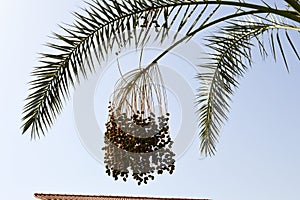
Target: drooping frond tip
{"type": "Point", "coordinates": [231, 57]}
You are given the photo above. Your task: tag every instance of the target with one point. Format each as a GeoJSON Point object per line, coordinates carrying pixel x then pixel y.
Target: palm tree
{"type": "Point", "coordinates": [107, 23]}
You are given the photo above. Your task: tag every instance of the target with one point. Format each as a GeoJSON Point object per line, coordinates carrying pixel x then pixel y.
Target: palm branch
{"type": "Point", "coordinates": [105, 24]}
{"type": "Point", "coordinates": [230, 59]}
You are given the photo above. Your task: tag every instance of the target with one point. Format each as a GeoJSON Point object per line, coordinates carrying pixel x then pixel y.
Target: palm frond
{"type": "Point", "coordinates": [107, 24]}
{"type": "Point", "coordinates": [295, 4]}
{"type": "Point", "coordinates": [89, 40]}
{"type": "Point", "coordinates": [232, 47]}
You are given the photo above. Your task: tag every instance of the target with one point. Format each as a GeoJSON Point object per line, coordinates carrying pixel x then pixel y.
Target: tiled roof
{"type": "Point", "coordinates": [101, 197]}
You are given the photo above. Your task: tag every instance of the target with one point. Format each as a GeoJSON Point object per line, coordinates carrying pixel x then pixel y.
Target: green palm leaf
{"type": "Point", "coordinates": [232, 47]}
{"type": "Point", "coordinates": [105, 24]}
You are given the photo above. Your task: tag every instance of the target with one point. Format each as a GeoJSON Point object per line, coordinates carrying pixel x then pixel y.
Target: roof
{"type": "Point", "coordinates": [101, 197]}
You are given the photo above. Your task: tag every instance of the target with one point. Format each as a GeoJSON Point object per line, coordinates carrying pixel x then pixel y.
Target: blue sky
{"type": "Point", "coordinates": [258, 153]}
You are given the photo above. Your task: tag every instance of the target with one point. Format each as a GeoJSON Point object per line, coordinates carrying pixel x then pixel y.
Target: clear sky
{"type": "Point", "coordinates": [257, 157]}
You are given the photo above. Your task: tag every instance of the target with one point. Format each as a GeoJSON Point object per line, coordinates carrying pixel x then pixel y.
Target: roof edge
{"type": "Point", "coordinates": [41, 195]}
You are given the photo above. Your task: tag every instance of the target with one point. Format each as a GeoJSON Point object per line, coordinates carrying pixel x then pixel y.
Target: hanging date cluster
{"type": "Point", "coordinates": [139, 145]}
{"type": "Point", "coordinates": [137, 138]}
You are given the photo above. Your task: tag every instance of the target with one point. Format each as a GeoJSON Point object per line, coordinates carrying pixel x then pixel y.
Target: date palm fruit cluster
{"type": "Point", "coordinates": [137, 138]}
{"type": "Point", "coordinates": [139, 144]}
